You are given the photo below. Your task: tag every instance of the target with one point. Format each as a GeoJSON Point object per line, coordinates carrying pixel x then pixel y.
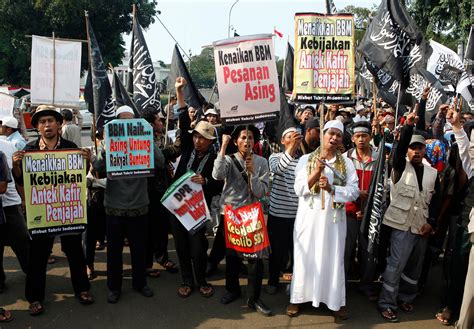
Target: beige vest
{"type": "Point", "coordinates": [408, 205]}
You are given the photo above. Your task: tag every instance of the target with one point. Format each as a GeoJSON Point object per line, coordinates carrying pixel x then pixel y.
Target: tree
{"type": "Point", "coordinates": [361, 18]}
{"type": "Point", "coordinates": [445, 21]}
{"type": "Point", "coordinates": [109, 18]}
{"type": "Point", "coordinates": [201, 68]}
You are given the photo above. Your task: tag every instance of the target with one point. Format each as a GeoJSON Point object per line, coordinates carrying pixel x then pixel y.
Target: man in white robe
{"type": "Point", "coordinates": [320, 234]}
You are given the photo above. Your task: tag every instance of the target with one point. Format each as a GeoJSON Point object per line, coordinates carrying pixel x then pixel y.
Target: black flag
{"type": "Point", "coordinates": [178, 68]}
{"type": "Point", "coordinates": [142, 82]}
{"type": "Point", "coordinates": [121, 95]}
{"type": "Point", "coordinates": [418, 81]}
{"type": "Point", "coordinates": [450, 75]}
{"type": "Point", "coordinates": [286, 117]}
{"type": "Point", "coordinates": [394, 43]}
{"type": "Point", "coordinates": [287, 78]}
{"type": "Point", "coordinates": [98, 93]}
{"type": "Point", "coordinates": [374, 208]}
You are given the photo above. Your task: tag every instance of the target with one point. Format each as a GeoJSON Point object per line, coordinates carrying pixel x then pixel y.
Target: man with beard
{"type": "Point", "coordinates": [320, 225]}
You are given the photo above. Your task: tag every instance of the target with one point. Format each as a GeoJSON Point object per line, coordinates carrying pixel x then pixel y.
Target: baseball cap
{"type": "Point", "coordinates": [10, 122]}
{"type": "Point", "coordinates": [417, 139]}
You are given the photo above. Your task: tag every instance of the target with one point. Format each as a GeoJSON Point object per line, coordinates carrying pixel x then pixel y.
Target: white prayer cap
{"type": "Point", "coordinates": [334, 124]}
{"type": "Point", "coordinates": [359, 107]}
{"type": "Point", "coordinates": [212, 112]}
{"type": "Point", "coordinates": [288, 130]}
{"type": "Point", "coordinates": [124, 109]}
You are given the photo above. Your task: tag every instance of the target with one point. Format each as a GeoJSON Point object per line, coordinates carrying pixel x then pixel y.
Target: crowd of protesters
{"type": "Point", "coordinates": [316, 179]}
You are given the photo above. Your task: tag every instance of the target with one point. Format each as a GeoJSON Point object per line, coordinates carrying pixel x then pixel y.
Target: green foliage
{"type": "Point", "coordinates": [109, 19]}
{"type": "Point", "coordinates": [446, 21]}
{"type": "Point", "coordinates": [361, 17]}
{"type": "Point", "coordinates": [201, 68]}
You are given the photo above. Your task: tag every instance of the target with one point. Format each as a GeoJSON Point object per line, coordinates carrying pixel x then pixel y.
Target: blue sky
{"type": "Point", "coordinates": [195, 24]}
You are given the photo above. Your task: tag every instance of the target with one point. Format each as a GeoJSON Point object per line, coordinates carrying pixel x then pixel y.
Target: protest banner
{"type": "Point", "coordinates": [55, 72]}
{"type": "Point", "coordinates": [247, 79]}
{"type": "Point", "coordinates": [55, 192]}
{"type": "Point", "coordinates": [324, 55]}
{"type": "Point", "coordinates": [185, 199]}
{"type": "Point", "coordinates": [7, 103]}
{"type": "Point", "coordinates": [129, 148]}
{"type": "Point", "coordinates": [245, 231]}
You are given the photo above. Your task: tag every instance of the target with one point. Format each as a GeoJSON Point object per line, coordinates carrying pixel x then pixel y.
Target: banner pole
{"type": "Point", "coordinates": [321, 138]}
{"type": "Point", "coordinates": [54, 68]}
{"type": "Point", "coordinates": [460, 105]}
{"type": "Point", "coordinates": [248, 152]}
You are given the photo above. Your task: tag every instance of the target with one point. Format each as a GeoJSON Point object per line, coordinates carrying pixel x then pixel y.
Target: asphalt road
{"type": "Point", "coordinates": [167, 310]}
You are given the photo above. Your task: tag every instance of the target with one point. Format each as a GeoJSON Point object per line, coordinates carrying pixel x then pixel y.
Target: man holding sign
{"type": "Point", "coordinates": [126, 207]}
{"type": "Point", "coordinates": [198, 156]}
{"type": "Point", "coordinates": [48, 122]}
{"type": "Point", "coordinates": [237, 192]}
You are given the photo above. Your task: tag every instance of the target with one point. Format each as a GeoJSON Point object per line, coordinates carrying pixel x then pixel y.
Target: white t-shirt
{"type": "Point", "coordinates": [11, 196]}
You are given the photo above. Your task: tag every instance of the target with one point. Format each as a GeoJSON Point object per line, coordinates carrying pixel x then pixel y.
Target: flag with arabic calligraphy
{"type": "Point", "coordinates": [394, 43]}
{"type": "Point", "coordinates": [142, 82]}
{"type": "Point", "coordinates": [98, 92]}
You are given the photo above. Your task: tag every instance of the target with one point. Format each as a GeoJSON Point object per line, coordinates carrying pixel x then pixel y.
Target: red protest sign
{"type": "Point", "coordinates": [245, 231]}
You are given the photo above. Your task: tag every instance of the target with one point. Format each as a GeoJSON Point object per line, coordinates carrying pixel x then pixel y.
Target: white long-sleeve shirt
{"type": "Point", "coordinates": [466, 153]}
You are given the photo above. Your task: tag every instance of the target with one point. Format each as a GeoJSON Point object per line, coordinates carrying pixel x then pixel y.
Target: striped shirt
{"type": "Point", "coordinates": [283, 199]}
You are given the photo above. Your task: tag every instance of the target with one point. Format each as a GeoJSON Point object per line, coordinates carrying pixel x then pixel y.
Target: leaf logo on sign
{"type": "Point", "coordinates": [37, 219]}
{"type": "Point", "coordinates": [234, 108]}
{"type": "Point", "coordinates": [304, 83]}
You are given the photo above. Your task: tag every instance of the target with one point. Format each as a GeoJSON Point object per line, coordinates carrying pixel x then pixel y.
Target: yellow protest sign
{"type": "Point", "coordinates": [55, 192]}
{"type": "Point", "coordinates": [324, 68]}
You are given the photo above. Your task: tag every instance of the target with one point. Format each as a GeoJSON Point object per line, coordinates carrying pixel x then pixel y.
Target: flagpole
{"type": "Point", "coordinates": [248, 152]}
{"type": "Point", "coordinates": [321, 128]}
{"type": "Point", "coordinates": [54, 67]}
{"type": "Point", "coordinates": [167, 118]}
{"type": "Point", "coordinates": [212, 92]}
{"type": "Point", "coordinates": [374, 92]}
{"type": "Point", "coordinates": [86, 14]}
{"type": "Point", "coordinates": [398, 102]}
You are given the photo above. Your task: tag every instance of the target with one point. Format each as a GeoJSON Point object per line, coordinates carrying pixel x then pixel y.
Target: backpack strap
{"type": "Point", "coordinates": [245, 177]}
